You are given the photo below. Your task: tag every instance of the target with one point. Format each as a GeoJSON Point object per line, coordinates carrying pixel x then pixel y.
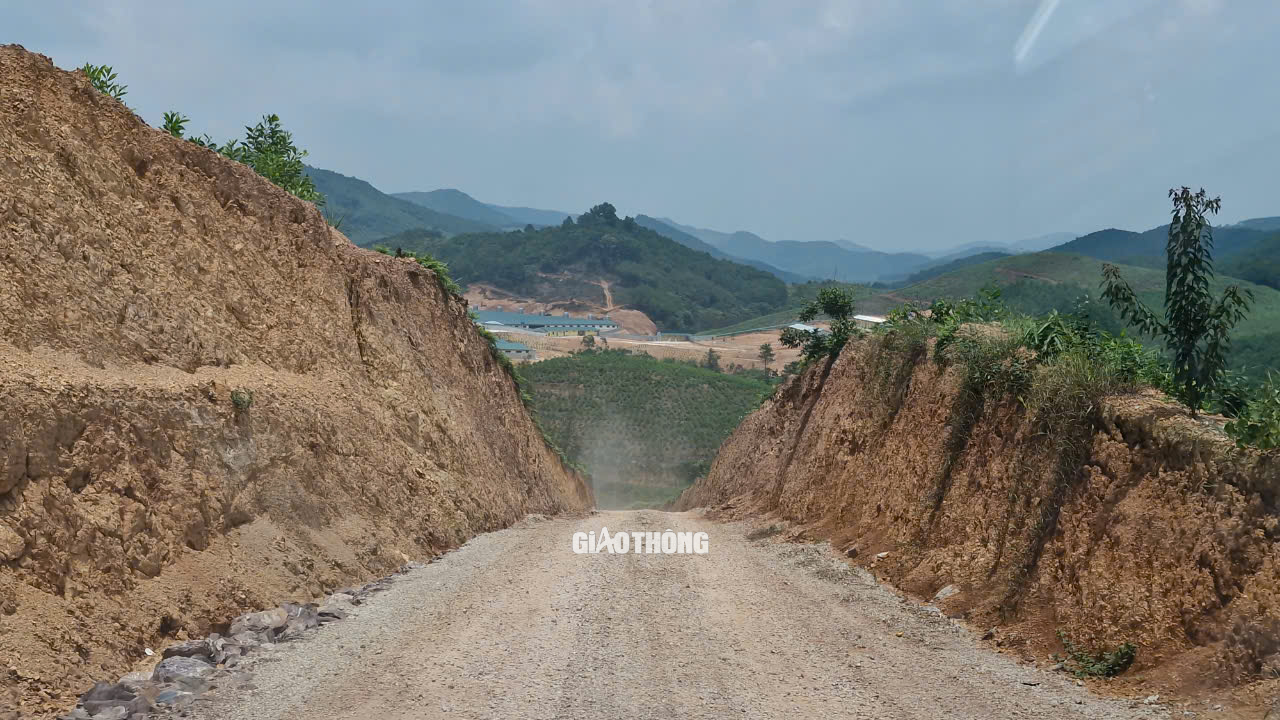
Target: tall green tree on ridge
{"type": "Point", "coordinates": [1196, 327]}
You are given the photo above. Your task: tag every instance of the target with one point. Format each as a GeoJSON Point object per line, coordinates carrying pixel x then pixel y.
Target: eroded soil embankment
{"type": "Point", "coordinates": [1165, 537]}
{"type": "Point", "coordinates": [143, 281]}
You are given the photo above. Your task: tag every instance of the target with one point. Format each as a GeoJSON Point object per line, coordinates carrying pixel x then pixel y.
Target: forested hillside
{"type": "Point", "coordinates": [643, 428]}
{"type": "Point", "coordinates": [1259, 263]}
{"type": "Point", "coordinates": [678, 288]}
{"type": "Point", "coordinates": [1146, 249]}
{"type": "Point", "coordinates": [460, 204]}
{"type": "Point", "coordinates": [365, 214]}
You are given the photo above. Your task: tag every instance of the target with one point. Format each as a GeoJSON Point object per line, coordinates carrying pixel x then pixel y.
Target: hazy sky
{"type": "Point", "coordinates": [892, 123]}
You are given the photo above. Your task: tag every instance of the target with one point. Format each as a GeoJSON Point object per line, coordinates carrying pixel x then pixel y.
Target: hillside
{"type": "Point", "coordinates": [1116, 521]}
{"type": "Point", "coordinates": [1259, 263]}
{"type": "Point", "coordinates": [1147, 248]}
{"type": "Point", "coordinates": [643, 428]}
{"type": "Point", "coordinates": [694, 243]}
{"type": "Point", "coordinates": [460, 204]}
{"type": "Point", "coordinates": [952, 265]}
{"type": "Point", "coordinates": [212, 401]}
{"type": "Point", "coordinates": [820, 259]}
{"type": "Point", "coordinates": [367, 214]}
{"type": "Point", "coordinates": [532, 216]}
{"type": "Point", "coordinates": [1038, 282]}
{"type": "Point", "coordinates": [678, 288]}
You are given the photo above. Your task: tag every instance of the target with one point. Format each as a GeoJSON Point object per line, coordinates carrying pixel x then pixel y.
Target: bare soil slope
{"type": "Point", "coordinates": [1165, 538]}
{"type": "Point", "coordinates": [142, 280]}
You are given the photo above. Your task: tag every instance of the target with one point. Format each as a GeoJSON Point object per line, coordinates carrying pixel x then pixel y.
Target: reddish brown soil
{"type": "Point", "coordinates": [144, 279]}
{"type": "Point", "coordinates": [1166, 537]}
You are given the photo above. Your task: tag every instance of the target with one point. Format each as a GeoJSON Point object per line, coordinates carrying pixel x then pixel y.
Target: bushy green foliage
{"type": "Point", "coordinates": [837, 305]}
{"type": "Point", "coordinates": [638, 423]}
{"type": "Point", "coordinates": [242, 399]}
{"type": "Point", "coordinates": [678, 288]}
{"type": "Point", "coordinates": [1257, 424]}
{"type": "Point", "coordinates": [1108, 663]}
{"type": "Point", "coordinates": [766, 353]}
{"type": "Point", "coordinates": [103, 79]}
{"type": "Point", "coordinates": [267, 148]}
{"type": "Point", "coordinates": [1195, 328]}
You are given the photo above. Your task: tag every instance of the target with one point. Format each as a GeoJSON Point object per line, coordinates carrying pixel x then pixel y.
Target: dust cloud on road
{"type": "Point", "coordinates": [515, 625]}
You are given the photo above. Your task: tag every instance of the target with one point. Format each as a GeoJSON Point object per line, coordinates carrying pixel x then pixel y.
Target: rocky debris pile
{"type": "Point", "coordinates": [188, 669]}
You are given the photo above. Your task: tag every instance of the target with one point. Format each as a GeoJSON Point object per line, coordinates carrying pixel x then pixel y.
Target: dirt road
{"type": "Point", "coordinates": [515, 625]}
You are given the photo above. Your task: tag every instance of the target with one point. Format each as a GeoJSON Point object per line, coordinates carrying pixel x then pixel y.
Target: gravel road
{"type": "Point", "coordinates": [515, 625]}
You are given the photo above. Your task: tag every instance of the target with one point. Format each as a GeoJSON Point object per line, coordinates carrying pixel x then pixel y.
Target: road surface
{"type": "Point", "coordinates": [515, 625]}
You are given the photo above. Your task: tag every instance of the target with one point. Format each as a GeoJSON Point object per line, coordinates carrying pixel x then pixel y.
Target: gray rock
{"type": "Point", "coordinates": [946, 592]}
{"type": "Point", "coordinates": [260, 621]}
{"type": "Point", "coordinates": [177, 699]}
{"type": "Point", "coordinates": [191, 648]}
{"type": "Point", "coordinates": [852, 552]}
{"type": "Point", "coordinates": [114, 713]}
{"type": "Point", "coordinates": [112, 697]}
{"type": "Point", "coordinates": [135, 681]}
{"type": "Point", "coordinates": [173, 668]}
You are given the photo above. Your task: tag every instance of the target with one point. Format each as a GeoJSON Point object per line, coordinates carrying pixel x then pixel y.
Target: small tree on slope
{"type": "Point", "coordinates": [1195, 328]}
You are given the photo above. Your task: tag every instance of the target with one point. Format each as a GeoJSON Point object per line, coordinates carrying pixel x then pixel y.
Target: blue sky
{"type": "Point", "coordinates": [894, 124]}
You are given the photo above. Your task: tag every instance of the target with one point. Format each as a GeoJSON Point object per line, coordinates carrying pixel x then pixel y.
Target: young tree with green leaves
{"type": "Point", "coordinates": [712, 361]}
{"type": "Point", "coordinates": [766, 353]}
{"type": "Point", "coordinates": [1196, 328]}
{"type": "Point", "coordinates": [836, 304]}
{"type": "Point", "coordinates": [103, 79]}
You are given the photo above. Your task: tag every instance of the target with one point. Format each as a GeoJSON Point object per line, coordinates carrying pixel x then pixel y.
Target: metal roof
{"type": "Point", "coordinates": [490, 317]}
{"type": "Point", "coordinates": [509, 345]}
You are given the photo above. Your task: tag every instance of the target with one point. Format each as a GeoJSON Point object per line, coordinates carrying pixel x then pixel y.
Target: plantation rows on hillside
{"type": "Point", "coordinates": [644, 428]}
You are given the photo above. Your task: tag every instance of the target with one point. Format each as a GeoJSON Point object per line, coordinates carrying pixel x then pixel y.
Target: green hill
{"type": "Point", "coordinates": [678, 288]}
{"type": "Point", "coordinates": [1146, 249]}
{"type": "Point", "coordinates": [368, 214]}
{"type": "Point", "coordinates": [644, 428]}
{"type": "Point", "coordinates": [944, 268]}
{"type": "Point", "coordinates": [1259, 264]}
{"type": "Point", "coordinates": [460, 204]}
{"type": "Point", "coordinates": [1039, 282]}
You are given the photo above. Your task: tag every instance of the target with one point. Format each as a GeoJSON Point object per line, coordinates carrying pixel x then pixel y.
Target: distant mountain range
{"type": "Point", "coordinates": [369, 215]}
{"type": "Point", "coordinates": [844, 261]}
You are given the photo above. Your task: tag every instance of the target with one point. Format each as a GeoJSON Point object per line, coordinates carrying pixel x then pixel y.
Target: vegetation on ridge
{"type": "Point", "coordinates": [1196, 329]}
{"type": "Point", "coordinates": [678, 288]}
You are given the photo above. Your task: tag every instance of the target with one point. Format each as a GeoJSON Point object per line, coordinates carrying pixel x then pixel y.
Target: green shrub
{"type": "Point", "coordinates": [242, 399]}
{"type": "Point", "coordinates": [1082, 663]}
{"type": "Point", "coordinates": [103, 79]}
{"type": "Point", "coordinates": [1258, 423]}
{"type": "Point", "coordinates": [837, 305]}
{"type": "Point", "coordinates": [1196, 327]}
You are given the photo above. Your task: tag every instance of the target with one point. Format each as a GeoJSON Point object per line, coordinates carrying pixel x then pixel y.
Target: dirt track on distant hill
{"type": "Point", "coordinates": [514, 625]}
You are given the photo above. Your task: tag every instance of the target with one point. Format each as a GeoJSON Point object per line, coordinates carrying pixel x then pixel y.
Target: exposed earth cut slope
{"type": "Point", "coordinates": [211, 401]}
{"type": "Point", "coordinates": [1165, 538]}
